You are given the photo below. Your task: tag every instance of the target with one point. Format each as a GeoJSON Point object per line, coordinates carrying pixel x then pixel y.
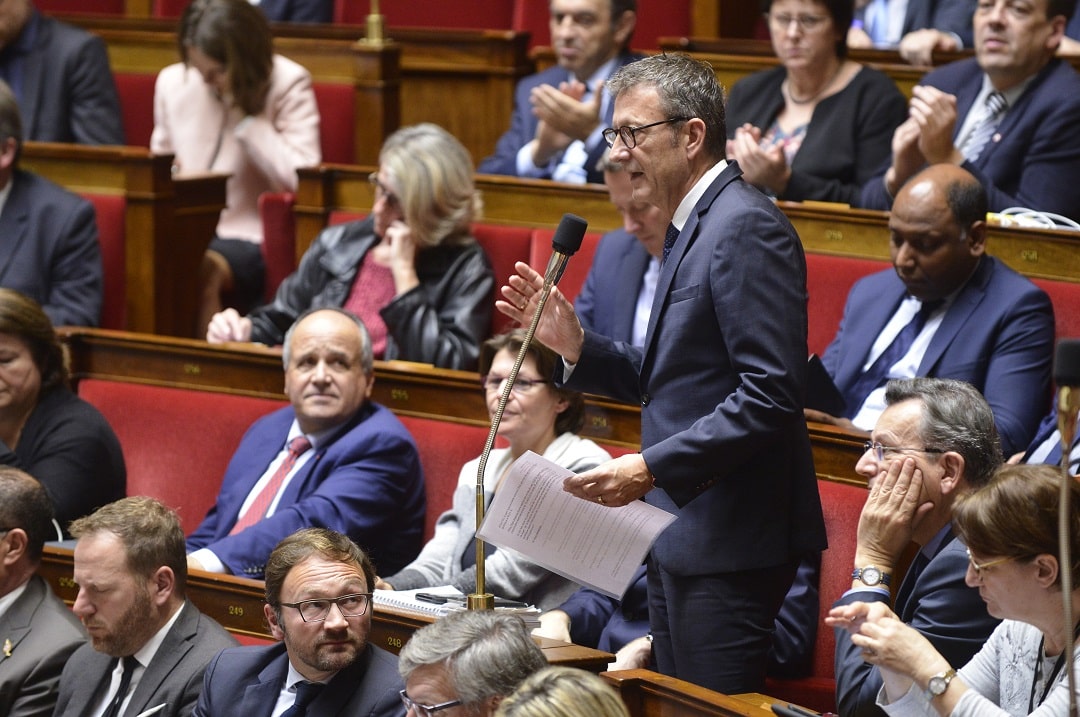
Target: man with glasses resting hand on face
{"type": "Point", "coordinates": [318, 604]}
{"type": "Point", "coordinates": [935, 440]}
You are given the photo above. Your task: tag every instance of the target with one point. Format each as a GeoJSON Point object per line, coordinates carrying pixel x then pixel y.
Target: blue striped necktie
{"type": "Point", "coordinates": [986, 126]}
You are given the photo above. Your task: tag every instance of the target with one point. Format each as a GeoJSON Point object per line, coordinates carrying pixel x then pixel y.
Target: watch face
{"type": "Point", "coordinates": [937, 685]}
{"type": "Point", "coordinates": [871, 576]}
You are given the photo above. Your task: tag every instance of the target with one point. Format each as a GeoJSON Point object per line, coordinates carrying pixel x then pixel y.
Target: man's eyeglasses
{"type": "Point", "coordinates": [979, 568]}
{"type": "Point", "coordinates": [880, 451]}
{"type": "Point", "coordinates": [317, 610]}
{"type": "Point", "coordinates": [805, 23]}
{"type": "Point", "coordinates": [382, 191]}
{"type": "Point", "coordinates": [628, 134]}
{"type": "Point", "coordinates": [491, 382]}
{"type": "Point", "coordinates": [425, 710]}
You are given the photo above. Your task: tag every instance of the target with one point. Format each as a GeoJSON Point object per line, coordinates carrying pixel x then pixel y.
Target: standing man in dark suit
{"type": "Point", "coordinates": [617, 297]}
{"type": "Point", "coordinates": [50, 249]}
{"type": "Point", "coordinates": [318, 604]}
{"type": "Point", "coordinates": [935, 441]}
{"type": "Point", "coordinates": [38, 631]}
{"type": "Point", "coordinates": [965, 314]}
{"type": "Point", "coordinates": [61, 77]}
{"type": "Point", "coordinates": [1009, 115]}
{"type": "Point", "coordinates": [333, 459]}
{"type": "Point", "coordinates": [559, 113]}
{"type": "Point", "coordinates": [720, 380]}
{"type": "Point", "coordinates": [149, 645]}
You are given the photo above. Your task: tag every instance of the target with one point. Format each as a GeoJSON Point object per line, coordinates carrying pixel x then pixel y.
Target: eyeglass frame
{"type": "Point", "coordinates": [334, 602]}
{"type": "Point", "coordinates": [425, 710]}
{"type": "Point", "coordinates": [382, 190]}
{"type": "Point", "coordinates": [805, 23]}
{"type": "Point", "coordinates": [611, 133]}
{"type": "Point", "coordinates": [521, 385]}
{"type": "Point", "coordinates": [879, 449]}
{"type": "Point", "coordinates": [993, 563]}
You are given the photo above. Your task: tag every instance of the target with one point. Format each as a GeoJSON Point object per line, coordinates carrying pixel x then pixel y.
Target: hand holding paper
{"type": "Point", "coordinates": [618, 482]}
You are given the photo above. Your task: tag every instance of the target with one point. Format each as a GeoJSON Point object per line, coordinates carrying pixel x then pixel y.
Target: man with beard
{"type": "Point", "coordinates": [318, 604]}
{"type": "Point", "coordinates": [148, 645]}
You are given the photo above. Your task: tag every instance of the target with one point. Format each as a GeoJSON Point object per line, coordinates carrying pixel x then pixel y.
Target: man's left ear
{"type": "Point", "coordinates": [976, 238]}
{"type": "Point", "coordinates": [163, 585]}
{"type": "Point", "coordinates": [9, 149]}
{"type": "Point", "coordinates": [695, 136]}
{"type": "Point", "coordinates": [953, 463]}
{"type": "Point", "coordinates": [272, 621]}
{"type": "Point", "coordinates": [624, 28]}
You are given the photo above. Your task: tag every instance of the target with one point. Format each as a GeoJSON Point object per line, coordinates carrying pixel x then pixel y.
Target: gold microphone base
{"type": "Point", "coordinates": [475, 601]}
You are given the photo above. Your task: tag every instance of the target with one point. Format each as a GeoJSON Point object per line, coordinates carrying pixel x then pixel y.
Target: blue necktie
{"type": "Point", "coordinates": [879, 370]}
{"type": "Point", "coordinates": [669, 241]}
{"type": "Point", "coordinates": [306, 692]}
{"type": "Point", "coordinates": [987, 125]}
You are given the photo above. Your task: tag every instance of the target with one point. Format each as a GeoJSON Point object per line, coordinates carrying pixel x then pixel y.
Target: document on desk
{"type": "Point", "coordinates": [591, 544]}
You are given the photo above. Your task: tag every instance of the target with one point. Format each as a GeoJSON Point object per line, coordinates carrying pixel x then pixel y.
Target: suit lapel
{"type": "Point", "coordinates": [12, 226]}
{"type": "Point", "coordinates": [342, 688]}
{"type": "Point", "coordinates": [15, 622]}
{"type": "Point", "coordinates": [631, 272]}
{"type": "Point", "coordinates": [957, 316]}
{"type": "Point", "coordinates": [862, 330]}
{"type": "Point", "coordinates": [93, 682]}
{"type": "Point", "coordinates": [177, 643]}
{"type": "Point", "coordinates": [33, 80]}
{"type": "Point", "coordinates": [260, 698]}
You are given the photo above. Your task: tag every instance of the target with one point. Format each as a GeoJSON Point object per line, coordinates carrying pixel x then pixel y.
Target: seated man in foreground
{"type": "Point", "coordinates": [318, 605]}
{"type": "Point", "coordinates": [946, 309]}
{"type": "Point", "coordinates": [334, 459]}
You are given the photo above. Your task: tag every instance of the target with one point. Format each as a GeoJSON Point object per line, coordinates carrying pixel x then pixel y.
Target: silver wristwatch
{"type": "Point", "coordinates": [871, 576]}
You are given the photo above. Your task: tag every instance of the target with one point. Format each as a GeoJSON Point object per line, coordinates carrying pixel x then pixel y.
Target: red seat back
{"type": "Point", "coordinates": [156, 427]}
{"type": "Point", "coordinates": [109, 210]}
{"type": "Point", "coordinates": [169, 8]}
{"type": "Point", "coordinates": [136, 93]}
{"type": "Point", "coordinates": [482, 14]}
{"type": "Point", "coordinates": [337, 121]}
{"type": "Point", "coordinates": [98, 7]}
{"type": "Point", "coordinates": [1065, 296]}
{"type": "Point", "coordinates": [577, 268]}
{"type": "Point", "coordinates": [828, 281]}
{"type": "Point", "coordinates": [279, 239]}
{"type": "Point", "coordinates": [504, 246]}
{"type": "Point", "coordinates": [444, 448]}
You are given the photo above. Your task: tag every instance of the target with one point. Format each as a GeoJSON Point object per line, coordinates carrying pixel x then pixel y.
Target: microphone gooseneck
{"type": "Point", "coordinates": [1067, 378]}
{"type": "Point", "coordinates": [564, 244]}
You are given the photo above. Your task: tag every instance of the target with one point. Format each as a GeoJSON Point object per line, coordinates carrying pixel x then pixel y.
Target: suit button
{"type": "Point", "coordinates": [645, 399]}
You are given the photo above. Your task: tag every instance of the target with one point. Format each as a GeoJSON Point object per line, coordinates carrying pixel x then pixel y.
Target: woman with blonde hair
{"type": "Point", "coordinates": [412, 270]}
{"type": "Point", "coordinates": [563, 692]}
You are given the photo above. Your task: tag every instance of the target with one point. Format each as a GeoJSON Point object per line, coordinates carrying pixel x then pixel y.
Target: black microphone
{"type": "Point", "coordinates": [564, 244]}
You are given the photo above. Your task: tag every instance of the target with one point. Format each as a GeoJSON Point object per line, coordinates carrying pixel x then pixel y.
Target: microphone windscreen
{"type": "Point", "coordinates": [1067, 363]}
{"type": "Point", "coordinates": [568, 236]}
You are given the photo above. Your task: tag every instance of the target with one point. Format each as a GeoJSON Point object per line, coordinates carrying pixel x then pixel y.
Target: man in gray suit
{"type": "Point", "coordinates": [318, 604]}
{"type": "Point", "coordinates": [149, 646]}
{"type": "Point", "coordinates": [38, 631]}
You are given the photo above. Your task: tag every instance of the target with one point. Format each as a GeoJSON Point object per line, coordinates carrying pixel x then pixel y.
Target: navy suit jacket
{"type": "Point", "coordinates": [298, 10]}
{"type": "Point", "coordinates": [248, 680]}
{"type": "Point", "coordinates": [1031, 160]}
{"type": "Point", "coordinates": [937, 603]}
{"type": "Point", "coordinates": [720, 380]}
{"type": "Point", "coordinates": [366, 483]}
{"type": "Point", "coordinates": [523, 125]}
{"type": "Point", "coordinates": [998, 335]}
{"type": "Point", "coordinates": [608, 300]}
{"type": "Point", "coordinates": [50, 252]}
{"type": "Point", "coordinates": [946, 15]}
{"type": "Point", "coordinates": [68, 92]}
{"type": "Point", "coordinates": [173, 678]}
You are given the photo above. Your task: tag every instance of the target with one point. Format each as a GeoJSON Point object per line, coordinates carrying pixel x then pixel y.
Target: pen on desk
{"type": "Point", "coordinates": [432, 598]}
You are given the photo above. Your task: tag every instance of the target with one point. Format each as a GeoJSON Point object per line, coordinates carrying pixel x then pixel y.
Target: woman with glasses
{"type": "Point", "coordinates": [412, 270]}
{"type": "Point", "coordinates": [540, 418]}
{"type": "Point", "coordinates": [819, 125]}
{"type": "Point", "coordinates": [1011, 529]}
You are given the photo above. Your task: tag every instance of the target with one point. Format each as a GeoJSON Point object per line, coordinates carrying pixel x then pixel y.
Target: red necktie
{"type": "Point", "coordinates": [297, 447]}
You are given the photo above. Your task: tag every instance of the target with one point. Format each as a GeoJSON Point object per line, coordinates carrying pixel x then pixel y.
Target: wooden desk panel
{"type": "Point", "coordinates": [168, 224]}
{"type": "Point", "coordinates": [649, 694]}
{"type": "Point", "coordinates": [237, 603]}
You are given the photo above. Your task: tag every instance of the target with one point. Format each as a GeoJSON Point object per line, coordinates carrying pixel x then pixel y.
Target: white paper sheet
{"type": "Point", "coordinates": [591, 544]}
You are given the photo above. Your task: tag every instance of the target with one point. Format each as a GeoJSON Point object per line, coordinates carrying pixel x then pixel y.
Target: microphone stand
{"type": "Point", "coordinates": [481, 599]}
{"type": "Point", "coordinates": [1068, 405]}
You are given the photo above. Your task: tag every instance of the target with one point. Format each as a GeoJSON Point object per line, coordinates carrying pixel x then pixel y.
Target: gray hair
{"type": "Point", "coordinates": [686, 87]}
{"type": "Point", "coordinates": [955, 417]}
{"type": "Point", "coordinates": [367, 360]}
{"type": "Point", "coordinates": [485, 654]}
{"type": "Point", "coordinates": [11, 126]}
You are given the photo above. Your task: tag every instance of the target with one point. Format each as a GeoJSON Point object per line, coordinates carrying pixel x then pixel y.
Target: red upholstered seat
{"type": "Point", "coordinates": [98, 7]}
{"type": "Point", "coordinates": [279, 238]}
{"type": "Point", "coordinates": [576, 269]}
{"type": "Point", "coordinates": [169, 8]}
{"type": "Point", "coordinates": [828, 281]}
{"type": "Point", "coordinates": [482, 14]}
{"type": "Point", "coordinates": [444, 448]}
{"type": "Point", "coordinates": [841, 503]}
{"type": "Point", "coordinates": [176, 443]}
{"type": "Point", "coordinates": [337, 121]}
{"type": "Point", "coordinates": [1065, 295]}
{"type": "Point", "coordinates": [136, 93]}
{"type": "Point", "coordinates": [504, 246]}
{"type": "Point", "coordinates": [109, 211]}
